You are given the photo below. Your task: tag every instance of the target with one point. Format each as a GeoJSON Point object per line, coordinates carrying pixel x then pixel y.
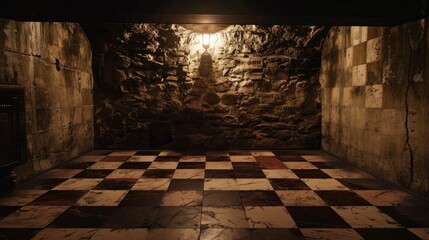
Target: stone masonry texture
{"type": "Point", "coordinates": [256, 87]}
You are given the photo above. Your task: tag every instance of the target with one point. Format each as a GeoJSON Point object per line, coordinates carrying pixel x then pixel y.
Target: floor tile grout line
{"type": "Point", "coordinates": [377, 177]}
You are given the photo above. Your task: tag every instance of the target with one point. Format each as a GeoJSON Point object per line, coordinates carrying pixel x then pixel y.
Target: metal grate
{"type": "Point", "coordinates": [12, 127]}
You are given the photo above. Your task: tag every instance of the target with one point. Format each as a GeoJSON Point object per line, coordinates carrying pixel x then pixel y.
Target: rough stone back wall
{"type": "Point", "coordinates": [53, 62]}
{"type": "Point", "coordinates": [256, 87]}
{"type": "Point", "coordinates": [375, 98]}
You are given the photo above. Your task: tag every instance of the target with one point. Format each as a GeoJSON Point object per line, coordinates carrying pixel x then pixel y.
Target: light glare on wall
{"type": "Point", "coordinates": [211, 40]}
{"type": "Point", "coordinates": [206, 41]}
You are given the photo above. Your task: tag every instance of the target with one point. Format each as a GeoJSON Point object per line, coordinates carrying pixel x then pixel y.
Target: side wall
{"type": "Point", "coordinates": [53, 62]}
{"type": "Point", "coordinates": [375, 101]}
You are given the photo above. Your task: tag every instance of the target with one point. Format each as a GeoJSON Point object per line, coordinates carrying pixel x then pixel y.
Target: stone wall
{"type": "Point", "coordinates": [256, 86]}
{"type": "Point", "coordinates": [53, 62]}
{"type": "Point", "coordinates": [375, 98]}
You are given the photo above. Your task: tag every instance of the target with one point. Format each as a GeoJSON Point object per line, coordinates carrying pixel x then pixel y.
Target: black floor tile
{"type": "Point", "coordinates": [290, 153]}
{"type": "Point", "coordinates": [115, 159]}
{"type": "Point", "coordinates": [186, 184]}
{"type": "Point", "coordinates": [58, 198]}
{"type": "Point", "coordinates": [288, 184]}
{"type": "Point", "coordinates": [116, 184]}
{"type": "Point", "coordinates": [142, 198]}
{"type": "Point", "coordinates": [135, 165]}
{"type": "Point", "coordinates": [323, 165]}
{"type": "Point", "coordinates": [364, 184]}
{"type": "Point", "coordinates": [291, 158]}
{"type": "Point", "coordinates": [409, 216]}
{"type": "Point", "coordinates": [18, 233]}
{"type": "Point", "coordinates": [240, 153]}
{"type": "Point", "coordinates": [245, 166]}
{"type": "Point", "coordinates": [281, 233]}
{"type": "Point", "coordinates": [6, 210]}
{"type": "Point", "coordinates": [222, 198]}
{"type": "Point", "coordinates": [178, 217]}
{"type": "Point", "coordinates": [218, 159]}
{"type": "Point", "coordinates": [191, 165]}
{"type": "Point", "coordinates": [158, 173]}
{"type": "Point", "coordinates": [42, 183]}
{"type": "Point", "coordinates": [131, 217]}
{"type": "Point", "coordinates": [256, 173]}
{"type": "Point", "coordinates": [342, 198]}
{"type": "Point", "coordinates": [219, 174]}
{"type": "Point", "coordinates": [226, 234]}
{"type": "Point", "coordinates": [316, 217]}
{"type": "Point", "coordinates": [147, 153]}
{"type": "Point", "coordinates": [167, 159]}
{"type": "Point", "coordinates": [386, 234]}
{"type": "Point", "coordinates": [194, 153]}
{"type": "Point", "coordinates": [82, 217]}
{"type": "Point", "coordinates": [310, 173]}
{"type": "Point", "coordinates": [260, 198]}
{"type": "Point", "coordinates": [102, 173]}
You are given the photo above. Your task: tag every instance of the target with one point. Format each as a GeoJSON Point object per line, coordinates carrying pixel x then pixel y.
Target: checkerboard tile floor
{"type": "Point", "coordinates": [210, 195]}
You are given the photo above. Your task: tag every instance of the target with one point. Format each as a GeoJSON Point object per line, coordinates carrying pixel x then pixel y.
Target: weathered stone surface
{"type": "Point", "coordinates": [244, 80]}
{"type": "Point", "coordinates": [53, 62]}
{"type": "Point", "coordinates": [172, 78]}
{"type": "Point", "coordinates": [270, 98]}
{"type": "Point", "coordinates": [269, 118]}
{"type": "Point", "coordinates": [250, 101]}
{"type": "Point", "coordinates": [284, 126]}
{"type": "Point", "coordinates": [231, 99]}
{"type": "Point", "coordinates": [285, 134]}
{"type": "Point", "coordinates": [223, 86]}
{"type": "Point", "coordinates": [124, 61]}
{"type": "Point", "coordinates": [212, 98]}
{"type": "Point", "coordinates": [374, 113]}
{"type": "Point", "coordinates": [229, 121]}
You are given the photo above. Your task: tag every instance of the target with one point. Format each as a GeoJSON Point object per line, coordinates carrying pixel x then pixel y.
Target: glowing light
{"type": "Point", "coordinates": [199, 42]}
{"type": "Point", "coordinates": [218, 40]}
{"type": "Point", "coordinates": [206, 40]}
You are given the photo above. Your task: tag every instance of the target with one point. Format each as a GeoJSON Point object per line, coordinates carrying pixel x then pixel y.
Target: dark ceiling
{"type": "Point", "coordinates": [295, 12]}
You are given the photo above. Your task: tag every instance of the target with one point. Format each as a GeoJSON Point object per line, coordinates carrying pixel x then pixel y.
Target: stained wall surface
{"type": "Point", "coordinates": [375, 101]}
{"type": "Point", "coordinates": [256, 87]}
{"type": "Point", "coordinates": [53, 62]}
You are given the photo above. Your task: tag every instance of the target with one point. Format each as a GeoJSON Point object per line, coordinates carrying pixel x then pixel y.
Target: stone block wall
{"type": "Point", "coordinates": [256, 87]}
{"type": "Point", "coordinates": [53, 62]}
{"type": "Point", "coordinates": [375, 98]}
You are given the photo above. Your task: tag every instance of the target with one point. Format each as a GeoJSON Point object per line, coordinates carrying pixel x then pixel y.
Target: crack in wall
{"type": "Point", "coordinates": [407, 113]}
{"type": "Point", "coordinates": [410, 79]}
{"type": "Point", "coordinates": [407, 130]}
{"type": "Point", "coordinates": [39, 58]}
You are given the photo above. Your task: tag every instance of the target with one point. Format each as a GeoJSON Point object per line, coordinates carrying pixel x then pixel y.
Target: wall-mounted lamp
{"type": "Point", "coordinates": [206, 58]}
{"type": "Point", "coordinates": [206, 41]}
